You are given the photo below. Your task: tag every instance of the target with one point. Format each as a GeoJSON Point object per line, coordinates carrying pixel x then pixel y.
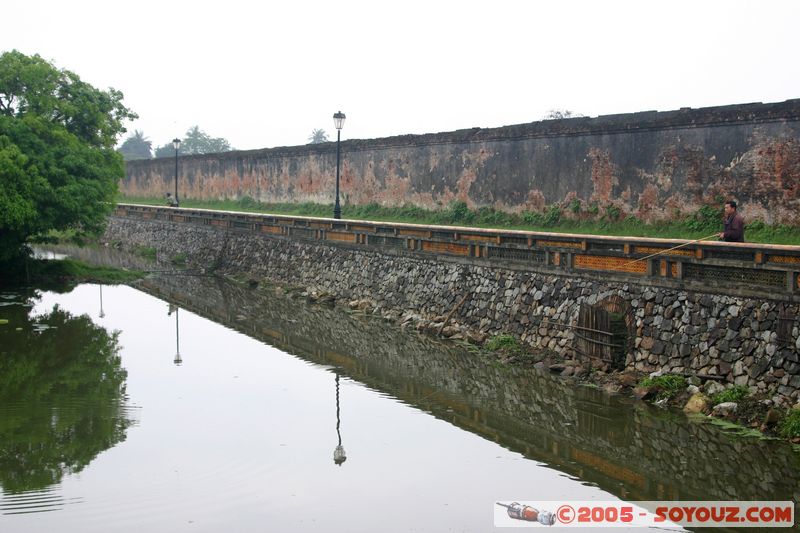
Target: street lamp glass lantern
{"type": "Point", "coordinates": [338, 120]}
{"type": "Point", "coordinates": [176, 143]}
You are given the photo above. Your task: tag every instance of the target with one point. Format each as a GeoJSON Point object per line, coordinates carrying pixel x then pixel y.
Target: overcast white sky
{"type": "Point", "coordinates": [265, 74]}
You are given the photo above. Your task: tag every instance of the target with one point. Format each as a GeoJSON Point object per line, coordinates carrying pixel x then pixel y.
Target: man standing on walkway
{"type": "Point", "coordinates": [734, 224]}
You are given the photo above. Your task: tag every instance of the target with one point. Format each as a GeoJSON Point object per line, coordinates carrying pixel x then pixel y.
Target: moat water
{"type": "Point", "coordinates": [191, 404]}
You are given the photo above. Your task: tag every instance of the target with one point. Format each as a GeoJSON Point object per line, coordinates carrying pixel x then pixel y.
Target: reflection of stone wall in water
{"type": "Point", "coordinates": [648, 164]}
{"type": "Point", "coordinates": [673, 330]}
{"type": "Point", "coordinates": [636, 453]}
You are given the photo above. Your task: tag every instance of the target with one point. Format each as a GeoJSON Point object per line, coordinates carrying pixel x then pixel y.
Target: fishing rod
{"type": "Point", "coordinates": [670, 249]}
{"type": "Point", "coordinates": [172, 271]}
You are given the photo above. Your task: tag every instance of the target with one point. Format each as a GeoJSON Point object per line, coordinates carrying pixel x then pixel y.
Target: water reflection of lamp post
{"type": "Point", "coordinates": [338, 454]}
{"type": "Point", "coordinates": [102, 314]}
{"type": "Point", "coordinates": [177, 359]}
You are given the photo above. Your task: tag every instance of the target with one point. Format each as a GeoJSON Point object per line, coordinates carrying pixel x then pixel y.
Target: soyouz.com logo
{"type": "Point", "coordinates": [644, 514]}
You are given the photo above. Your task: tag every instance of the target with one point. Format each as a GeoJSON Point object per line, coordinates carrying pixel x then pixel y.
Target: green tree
{"type": "Point", "coordinates": [195, 141]}
{"type": "Point", "coordinates": [136, 146]}
{"type": "Point", "coordinates": [165, 150]}
{"type": "Point", "coordinates": [318, 136]}
{"type": "Point", "coordinates": [58, 166]}
{"type": "Point", "coordinates": [62, 388]}
{"type": "Point", "coordinates": [555, 114]}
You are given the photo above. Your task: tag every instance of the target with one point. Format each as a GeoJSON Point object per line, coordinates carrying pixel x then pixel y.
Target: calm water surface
{"type": "Point", "coordinates": [101, 430]}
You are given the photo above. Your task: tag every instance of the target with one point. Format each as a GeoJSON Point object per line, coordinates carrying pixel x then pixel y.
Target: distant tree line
{"type": "Point", "coordinates": [557, 114]}
{"type": "Point", "coordinates": [195, 141]}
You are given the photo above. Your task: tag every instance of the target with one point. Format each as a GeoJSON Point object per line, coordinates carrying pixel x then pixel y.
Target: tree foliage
{"type": "Point", "coordinates": [555, 114]}
{"type": "Point", "coordinates": [165, 150]}
{"type": "Point", "coordinates": [318, 136]}
{"type": "Point", "coordinates": [196, 141]}
{"type": "Point", "coordinates": [58, 166]}
{"type": "Point", "coordinates": [136, 146]}
{"type": "Point", "coordinates": [62, 388]}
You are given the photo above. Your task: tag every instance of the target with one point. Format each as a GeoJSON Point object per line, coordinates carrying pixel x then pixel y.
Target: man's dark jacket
{"type": "Point", "coordinates": [734, 228]}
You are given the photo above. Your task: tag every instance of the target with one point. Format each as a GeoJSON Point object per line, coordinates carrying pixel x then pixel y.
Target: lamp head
{"type": "Point", "coordinates": [339, 456]}
{"type": "Point", "coordinates": [338, 120]}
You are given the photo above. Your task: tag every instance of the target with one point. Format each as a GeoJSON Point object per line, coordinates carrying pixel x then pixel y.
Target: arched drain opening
{"type": "Point", "coordinates": [785, 327]}
{"type": "Point", "coordinates": [603, 333]}
{"type": "Point", "coordinates": [619, 340]}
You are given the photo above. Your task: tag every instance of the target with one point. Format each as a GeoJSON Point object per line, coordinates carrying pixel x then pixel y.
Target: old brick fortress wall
{"type": "Point", "coordinates": [651, 164]}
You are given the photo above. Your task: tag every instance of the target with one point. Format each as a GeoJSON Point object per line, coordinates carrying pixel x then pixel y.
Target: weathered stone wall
{"type": "Point", "coordinates": [670, 330]}
{"type": "Point", "coordinates": [651, 164]}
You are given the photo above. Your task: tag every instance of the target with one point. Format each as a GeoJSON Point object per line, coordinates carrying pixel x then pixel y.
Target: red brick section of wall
{"type": "Point", "coordinates": [656, 165]}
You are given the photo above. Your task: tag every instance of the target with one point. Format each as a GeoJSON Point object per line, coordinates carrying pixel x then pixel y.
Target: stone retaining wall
{"type": "Point", "coordinates": [749, 341]}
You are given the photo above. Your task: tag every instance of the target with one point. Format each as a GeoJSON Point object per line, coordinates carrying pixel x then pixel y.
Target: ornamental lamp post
{"type": "Point", "coordinates": [338, 121]}
{"type": "Point", "coordinates": [177, 144]}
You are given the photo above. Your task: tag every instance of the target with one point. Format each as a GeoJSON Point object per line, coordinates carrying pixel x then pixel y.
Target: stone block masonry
{"type": "Point", "coordinates": [747, 340]}
{"type": "Point", "coordinates": [655, 165]}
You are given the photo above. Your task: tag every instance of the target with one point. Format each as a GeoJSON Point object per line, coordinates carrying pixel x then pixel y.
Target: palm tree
{"type": "Point", "coordinates": [136, 146]}
{"type": "Point", "coordinates": [318, 136]}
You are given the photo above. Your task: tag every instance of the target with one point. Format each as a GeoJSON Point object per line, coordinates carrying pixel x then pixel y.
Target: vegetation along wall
{"type": "Point", "coordinates": [655, 165]}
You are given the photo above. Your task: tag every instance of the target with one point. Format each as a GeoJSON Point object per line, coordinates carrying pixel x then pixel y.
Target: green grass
{"type": "Point", "coordinates": [790, 426]}
{"type": "Point", "coordinates": [507, 343]}
{"type": "Point", "coordinates": [734, 394]}
{"type": "Point", "coordinates": [148, 252]}
{"type": "Point", "coordinates": [668, 385]}
{"type": "Point", "coordinates": [735, 429]}
{"type": "Point", "coordinates": [178, 260]}
{"type": "Point", "coordinates": [590, 219]}
{"type": "Point", "coordinates": [71, 270]}
{"type": "Point", "coordinates": [70, 236]}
